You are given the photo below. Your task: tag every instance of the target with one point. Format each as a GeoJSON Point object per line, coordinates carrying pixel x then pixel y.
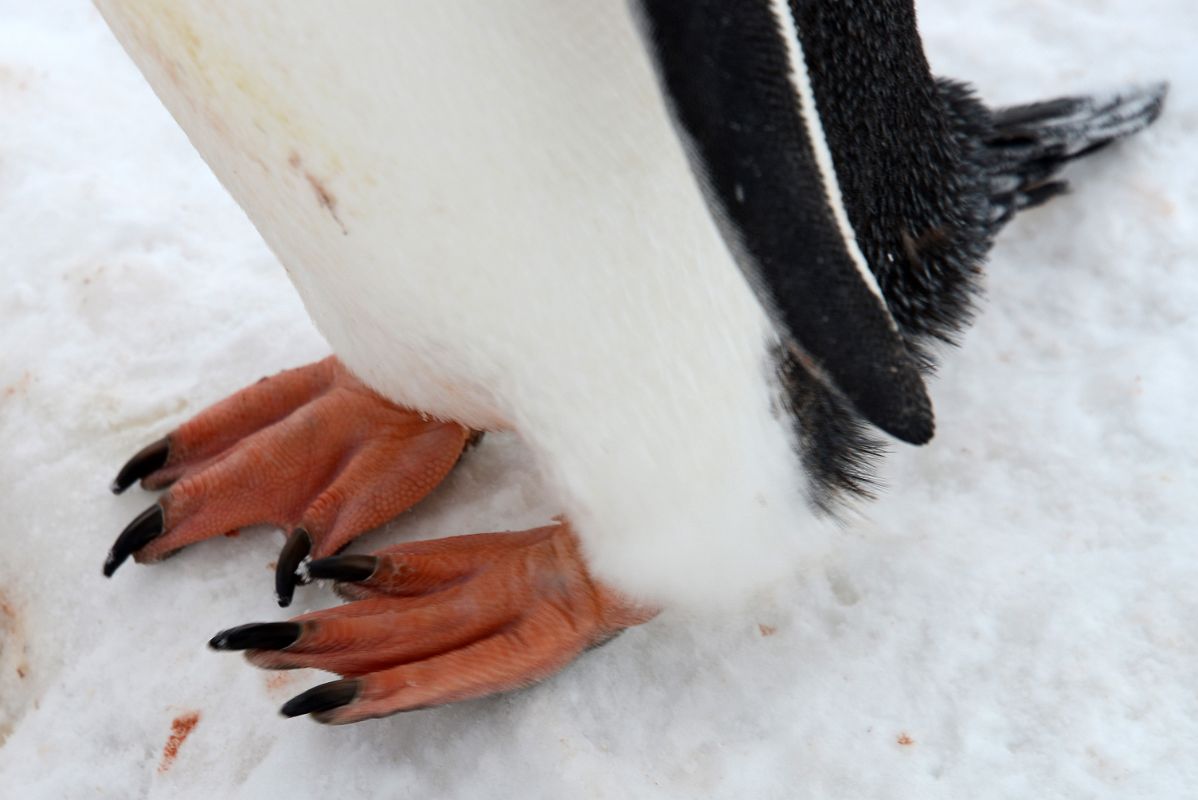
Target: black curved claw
{"type": "Point", "coordinates": [258, 636]}
{"type": "Point", "coordinates": [343, 568]}
{"type": "Point", "coordinates": [145, 528]}
{"type": "Point", "coordinates": [324, 697]}
{"type": "Point", "coordinates": [287, 577]}
{"type": "Point", "coordinates": [148, 460]}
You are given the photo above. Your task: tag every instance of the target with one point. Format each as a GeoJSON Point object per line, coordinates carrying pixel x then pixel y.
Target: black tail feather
{"type": "Point", "coordinates": [1029, 144]}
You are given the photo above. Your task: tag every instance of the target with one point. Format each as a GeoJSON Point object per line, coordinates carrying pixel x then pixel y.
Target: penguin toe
{"type": "Point", "coordinates": [442, 621]}
{"type": "Point", "coordinates": [216, 429]}
{"type": "Point", "coordinates": [311, 450]}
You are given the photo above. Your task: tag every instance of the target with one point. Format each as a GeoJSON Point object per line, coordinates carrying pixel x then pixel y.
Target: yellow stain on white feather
{"type": "Point", "coordinates": [192, 53]}
{"type": "Point", "coordinates": [165, 30]}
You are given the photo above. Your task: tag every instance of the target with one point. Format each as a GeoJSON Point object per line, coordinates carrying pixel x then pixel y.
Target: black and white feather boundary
{"type": "Point", "coordinates": [833, 160]}
{"type": "Point", "coordinates": [737, 85]}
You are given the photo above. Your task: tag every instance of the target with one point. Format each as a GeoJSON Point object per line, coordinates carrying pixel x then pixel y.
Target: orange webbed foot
{"type": "Point", "coordinates": [441, 621]}
{"type": "Point", "coordinates": [312, 450]}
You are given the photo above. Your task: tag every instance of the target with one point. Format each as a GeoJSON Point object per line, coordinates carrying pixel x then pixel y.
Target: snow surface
{"type": "Point", "coordinates": [1016, 616]}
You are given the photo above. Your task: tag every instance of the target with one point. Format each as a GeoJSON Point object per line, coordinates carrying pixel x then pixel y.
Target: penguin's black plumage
{"type": "Point", "coordinates": [664, 325]}
{"type": "Point", "coordinates": [924, 172]}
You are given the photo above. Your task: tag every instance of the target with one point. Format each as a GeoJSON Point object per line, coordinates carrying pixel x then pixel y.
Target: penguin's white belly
{"type": "Point", "coordinates": [488, 214]}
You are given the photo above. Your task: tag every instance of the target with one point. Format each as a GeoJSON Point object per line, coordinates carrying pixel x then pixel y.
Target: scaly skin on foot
{"type": "Point", "coordinates": [312, 450]}
{"type": "Point", "coordinates": [317, 452]}
{"type": "Point", "coordinates": [440, 621]}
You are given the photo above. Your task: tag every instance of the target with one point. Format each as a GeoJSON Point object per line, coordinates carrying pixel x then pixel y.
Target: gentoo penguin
{"type": "Point", "coordinates": [696, 254]}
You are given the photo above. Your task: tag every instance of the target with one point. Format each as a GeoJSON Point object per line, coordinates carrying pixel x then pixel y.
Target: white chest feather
{"type": "Point", "coordinates": [489, 216]}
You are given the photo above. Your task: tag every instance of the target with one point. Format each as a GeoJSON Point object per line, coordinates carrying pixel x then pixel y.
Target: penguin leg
{"type": "Point", "coordinates": [311, 449]}
{"type": "Point", "coordinates": [441, 621]}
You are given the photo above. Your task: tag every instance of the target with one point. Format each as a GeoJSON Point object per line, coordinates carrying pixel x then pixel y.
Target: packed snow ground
{"type": "Point", "coordinates": [1015, 617]}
